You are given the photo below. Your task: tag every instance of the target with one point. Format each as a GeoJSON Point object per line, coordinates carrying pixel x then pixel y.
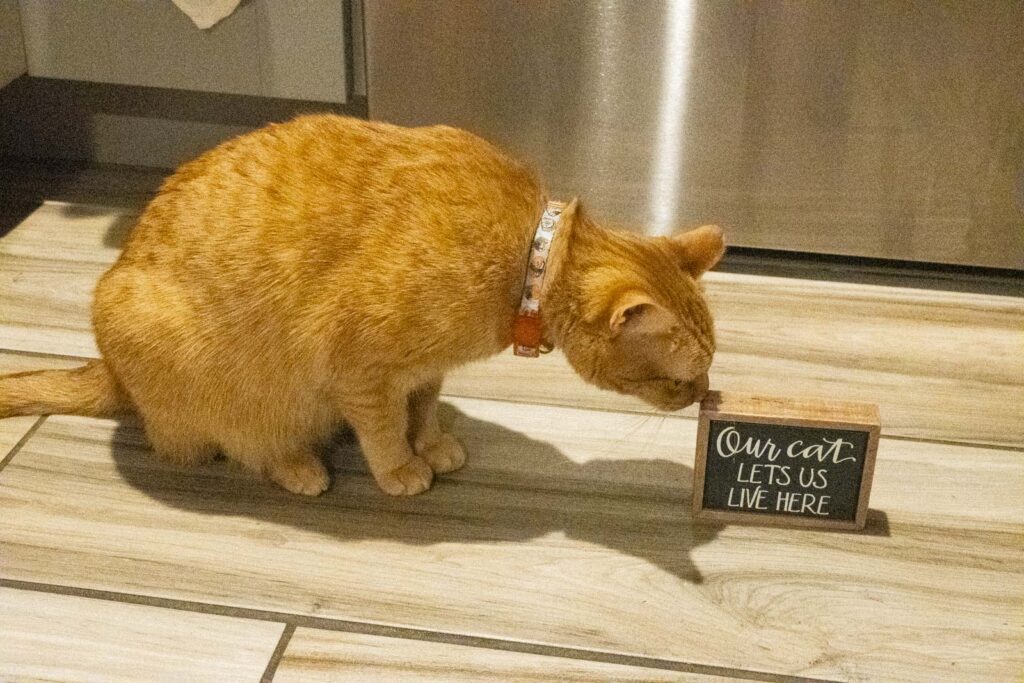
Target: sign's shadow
{"type": "Point", "coordinates": [513, 489]}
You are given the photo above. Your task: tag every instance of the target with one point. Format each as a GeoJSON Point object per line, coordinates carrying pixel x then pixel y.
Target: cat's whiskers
{"type": "Point", "coordinates": [654, 433]}
{"type": "Point", "coordinates": [639, 421]}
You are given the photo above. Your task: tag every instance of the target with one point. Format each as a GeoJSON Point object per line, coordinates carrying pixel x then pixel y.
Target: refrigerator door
{"type": "Point", "coordinates": [878, 129]}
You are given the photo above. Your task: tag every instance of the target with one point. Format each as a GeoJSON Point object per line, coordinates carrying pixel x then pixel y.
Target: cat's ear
{"type": "Point", "coordinates": [699, 249]}
{"type": "Point", "coordinates": [635, 312]}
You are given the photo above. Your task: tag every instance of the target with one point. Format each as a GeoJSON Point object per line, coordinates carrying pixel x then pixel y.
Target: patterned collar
{"type": "Point", "coordinates": [526, 332]}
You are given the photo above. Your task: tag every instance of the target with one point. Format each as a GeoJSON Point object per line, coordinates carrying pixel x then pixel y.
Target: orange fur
{"type": "Point", "coordinates": [329, 269]}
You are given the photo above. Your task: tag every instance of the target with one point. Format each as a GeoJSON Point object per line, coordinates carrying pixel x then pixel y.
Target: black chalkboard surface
{"type": "Point", "coordinates": [784, 462]}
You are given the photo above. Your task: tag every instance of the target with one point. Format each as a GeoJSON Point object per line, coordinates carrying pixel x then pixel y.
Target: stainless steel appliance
{"type": "Point", "coordinates": [880, 129]}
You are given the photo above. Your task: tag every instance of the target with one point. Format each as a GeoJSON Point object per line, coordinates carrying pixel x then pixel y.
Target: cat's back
{"type": "Point", "coordinates": [322, 177]}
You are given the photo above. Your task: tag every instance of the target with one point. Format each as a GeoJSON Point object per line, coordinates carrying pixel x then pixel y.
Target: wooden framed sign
{"type": "Point", "coordinates": [784, 462]}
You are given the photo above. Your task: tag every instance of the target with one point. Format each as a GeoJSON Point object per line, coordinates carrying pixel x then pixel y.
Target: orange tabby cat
{"type": "Point", "coordinates": [330, 269]}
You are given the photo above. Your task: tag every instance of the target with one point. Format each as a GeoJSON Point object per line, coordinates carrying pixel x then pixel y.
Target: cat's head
{"type": "Point", "coordinates": [634, 318]}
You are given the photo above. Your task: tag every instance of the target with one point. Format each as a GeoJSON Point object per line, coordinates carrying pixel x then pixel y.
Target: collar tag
{"type": "Point", "coordinates": [526, 331]}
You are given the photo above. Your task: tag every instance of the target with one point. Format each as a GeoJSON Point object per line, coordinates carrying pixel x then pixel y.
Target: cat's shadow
{"type": "Point", "coordinates": [513, 489]}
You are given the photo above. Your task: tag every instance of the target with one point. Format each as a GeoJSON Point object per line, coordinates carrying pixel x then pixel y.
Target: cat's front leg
{"type": "Point", "coordinates": [381, 424]}
{"type": "Point", "coordinates": [441, 451]}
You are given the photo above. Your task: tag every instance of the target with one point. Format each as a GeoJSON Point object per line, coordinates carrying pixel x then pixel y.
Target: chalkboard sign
{"type": "Point", "coordinates": [784, 462]}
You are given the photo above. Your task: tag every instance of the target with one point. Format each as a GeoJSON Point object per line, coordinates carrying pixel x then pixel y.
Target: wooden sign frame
{"type": "Point", "coordinates": [821, 414]}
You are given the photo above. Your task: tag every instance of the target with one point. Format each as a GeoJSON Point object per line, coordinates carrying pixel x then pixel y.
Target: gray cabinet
{"type": "Point", "coordinates": [272, 48]}
{"type": "Point", "coordinates": [12, 52]}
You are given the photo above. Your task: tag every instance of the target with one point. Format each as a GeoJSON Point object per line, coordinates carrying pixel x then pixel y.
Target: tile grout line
{"type": "Point", "coordinates": [961, 444]}
{"type": "Point", "coordinates": [406, 633]}
{"type": "Point", "coordinates": [22, 441]}
{"type": "Point", "coordinates": [278, 654]}
{"type": "Point", "coordinates": [620, 410]}
{"type": "Point", "coordinates": [47, 354]}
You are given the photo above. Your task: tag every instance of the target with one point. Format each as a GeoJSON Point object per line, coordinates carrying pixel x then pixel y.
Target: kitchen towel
{"type": "Point", "coordinates": [206, 13]}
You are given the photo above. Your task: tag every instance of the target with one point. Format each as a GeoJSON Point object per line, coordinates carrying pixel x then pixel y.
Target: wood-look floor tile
{"type": "Point", "coordinates": [929, 358]}
{"type": "Point", "coordinates": [568, 527]}
{"type": "Point", "coordinates": [315, 655]}
{"type": "Point", "coordinates": [11, 432]}
{"type": "Point", "coordinates": [65, 638]}
{"type": "Point", "coordinates": [59, 231]}
{"type": "Point", "coordinates": [44, 305]}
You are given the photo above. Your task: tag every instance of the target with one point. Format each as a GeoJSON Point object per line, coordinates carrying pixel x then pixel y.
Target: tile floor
{"type": "Point", "coordinates": [565, 550]}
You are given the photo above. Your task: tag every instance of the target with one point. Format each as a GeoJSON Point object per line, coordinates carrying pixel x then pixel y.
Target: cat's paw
{"type": "Point", "coordinates": [445, 455]}
{"type": "Point", "coordinates": [411, 478]}
{"type": "Point", "coordinates": [306, 476]}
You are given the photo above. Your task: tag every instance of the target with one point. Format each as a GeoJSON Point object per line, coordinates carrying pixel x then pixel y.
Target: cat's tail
{"type": "Point", "coordinates": [89, 390]}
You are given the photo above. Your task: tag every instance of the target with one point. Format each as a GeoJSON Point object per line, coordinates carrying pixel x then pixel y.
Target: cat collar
{"type": "Point", "coordinates": [526, 331]}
